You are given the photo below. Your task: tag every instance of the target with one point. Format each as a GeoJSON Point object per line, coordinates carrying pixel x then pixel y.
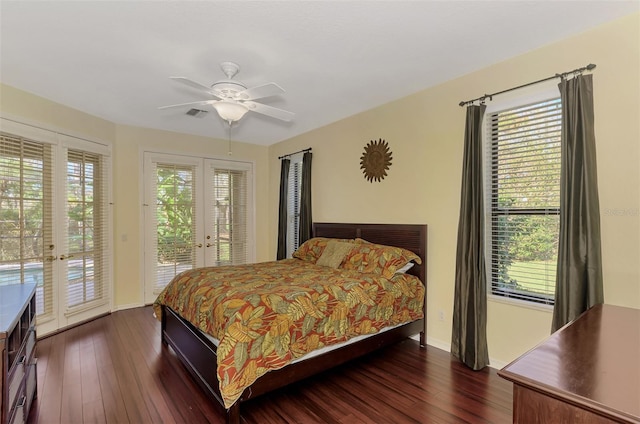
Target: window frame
{"type": "Point", "coordinates": [95, 261]}
{"type": "Point", "coordinates": [527, 97]}
{"type": "Point", "coordinates": [241, 208]}
{"type": "Point", "coordinates": [294, 188]}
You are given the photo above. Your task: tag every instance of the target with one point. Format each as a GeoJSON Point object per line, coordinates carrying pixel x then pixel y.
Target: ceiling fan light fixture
{"type": "Point", "coordinates": [230, 111]}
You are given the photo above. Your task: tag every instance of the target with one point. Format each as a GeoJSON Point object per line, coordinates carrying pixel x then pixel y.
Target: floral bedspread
{"type": "Point", "coordinates": [268, 314]}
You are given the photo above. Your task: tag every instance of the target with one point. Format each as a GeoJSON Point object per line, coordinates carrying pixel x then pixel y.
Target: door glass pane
{"type": "Point", "coordinates": [175, 221]}
{"type": "Point", "coordinates": [25, 216]}
{"type": "Point", "coordinates": [85, 212]}
{"type": "Point", "coordinates": [230, 217]}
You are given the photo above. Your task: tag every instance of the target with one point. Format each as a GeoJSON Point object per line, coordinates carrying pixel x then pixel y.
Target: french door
{"type": "Point", "coordinates": [55, 223]}
{"type": "Point", "coordinates": [198, 212]}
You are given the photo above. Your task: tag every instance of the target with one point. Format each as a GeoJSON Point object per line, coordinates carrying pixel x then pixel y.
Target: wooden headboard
{"type": "Point", "coordinates": [408, 236]}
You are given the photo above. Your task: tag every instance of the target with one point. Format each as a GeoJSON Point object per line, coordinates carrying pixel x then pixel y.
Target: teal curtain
{"type": "Point", "coordinates": [469, 337]}
{"type": "Point", "coordinates": [282, 209]}
{"type": "Point", "coordinates": [579, 272]}
{"type": "Point", "coordinates": [306, 220]}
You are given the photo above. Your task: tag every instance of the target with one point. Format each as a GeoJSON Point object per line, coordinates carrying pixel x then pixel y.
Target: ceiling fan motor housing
{"type": "Point", "coordinates": [227, 89]}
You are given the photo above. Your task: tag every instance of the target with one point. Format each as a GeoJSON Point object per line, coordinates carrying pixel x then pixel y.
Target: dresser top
{"type": "Point", "coordinates": [13, 299]}
{"type": "Point", "coordinates": [592, 363]}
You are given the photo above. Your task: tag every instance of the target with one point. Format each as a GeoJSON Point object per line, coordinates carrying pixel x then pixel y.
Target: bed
{"type": "Point", "coordinates": [198, 351]}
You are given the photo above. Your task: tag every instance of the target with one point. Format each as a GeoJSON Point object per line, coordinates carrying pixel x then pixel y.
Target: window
{"type": "Point", "coordinates": [524, 200]}
{"type": "Point", "coordinates": [293, 204]}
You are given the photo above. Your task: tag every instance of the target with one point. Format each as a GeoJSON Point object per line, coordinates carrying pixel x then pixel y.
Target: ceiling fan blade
{"type": "Point", "coordinates": [201, 103]}
{"type": "Point", "coordinates": [192, 83]}
{"type": "Point", "coordinates": [270, 111]}
{"type": "Point", "coordinates": [260, 91]}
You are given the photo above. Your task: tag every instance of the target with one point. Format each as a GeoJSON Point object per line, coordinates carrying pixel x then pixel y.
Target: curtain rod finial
{"type": "Point", "coordinates": [591, 66]}
{"type": "Point", "coordinates": [462, 103]}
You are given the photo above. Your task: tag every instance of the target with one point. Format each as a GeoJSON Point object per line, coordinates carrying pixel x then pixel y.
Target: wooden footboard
{"type": "Point", "coordinates": [196, 352]}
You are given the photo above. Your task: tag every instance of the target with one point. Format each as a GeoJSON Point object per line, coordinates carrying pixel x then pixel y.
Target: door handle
{"type": "Point", "coordinates": [199, 245]}
{"type": "Point", "coordinates": [63, 257]}
{"type": "Point", "coordinates": [209, 244]}
{"type": "Point", "coordinates": [51, 258]}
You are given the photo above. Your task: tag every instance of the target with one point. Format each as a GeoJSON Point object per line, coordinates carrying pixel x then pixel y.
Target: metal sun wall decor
{"type": "Point", "coordinates": [375, 160]}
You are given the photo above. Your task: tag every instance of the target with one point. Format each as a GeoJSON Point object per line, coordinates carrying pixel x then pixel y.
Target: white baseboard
{"type": "Point", "coordinates": [434, 342]}
{"type": "Point", "coordinates": [439, 344]}
{"type": "Point", "coordinates": [442, 345]}
{"type": "Point", "coordinates": [127, 306]}
{"type": "Point", "coordinates": [497, 365]}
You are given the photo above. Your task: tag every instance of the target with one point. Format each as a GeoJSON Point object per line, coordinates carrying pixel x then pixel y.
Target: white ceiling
{"type": "Point", "coordinates": [334, 58]}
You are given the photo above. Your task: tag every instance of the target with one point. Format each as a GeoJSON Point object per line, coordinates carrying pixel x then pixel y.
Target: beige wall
{"type": "Point", "coordinates": [425, 133]}
{"type": "Point", "coordinates": [35, 110]}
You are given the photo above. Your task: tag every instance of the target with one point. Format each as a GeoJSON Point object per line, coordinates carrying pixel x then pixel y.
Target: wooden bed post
{"type": "Point", "coordinates": [233, 414]}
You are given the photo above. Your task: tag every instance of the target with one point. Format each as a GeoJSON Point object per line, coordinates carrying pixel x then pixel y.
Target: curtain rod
{"type": "Point", "coordinates": [589, 67]}
{"type": "Point", "coordinates": [308, 149]}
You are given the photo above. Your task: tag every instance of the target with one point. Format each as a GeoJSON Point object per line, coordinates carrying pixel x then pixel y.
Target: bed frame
{"type": "Point", "coordinates": [198, 353]}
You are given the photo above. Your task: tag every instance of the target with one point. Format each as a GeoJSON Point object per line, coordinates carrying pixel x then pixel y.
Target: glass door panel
{"type": "Point", "coordinates": [175, 222]}
{"type": "Point", "coordinates": [85, 281]}
{"type": "Point", "coordinates": [26, 239]}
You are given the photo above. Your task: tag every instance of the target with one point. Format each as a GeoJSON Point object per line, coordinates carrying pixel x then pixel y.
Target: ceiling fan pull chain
{"type": "Point", "coordinates": [229, 143]}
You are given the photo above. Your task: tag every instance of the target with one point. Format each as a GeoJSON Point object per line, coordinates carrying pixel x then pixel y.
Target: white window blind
{"type": "Point", "coordinates": [174, 234]}
{"type": "Point", "coordinates": [293, 203]}
{"type": "Point", "coordinates": [524, 198]}
{"type": "Point", "coordinates": [229, 244]}
{"type": "Point", "coordinates": [26, 217]}
{"type": "Point", "coordinates": [88, 233]}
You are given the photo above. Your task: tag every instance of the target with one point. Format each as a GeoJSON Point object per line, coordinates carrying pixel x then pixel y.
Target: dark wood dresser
{"type": "Point", "coordinates": [586, 372]}
{"type": "Point", "coordinates": [18, 351]}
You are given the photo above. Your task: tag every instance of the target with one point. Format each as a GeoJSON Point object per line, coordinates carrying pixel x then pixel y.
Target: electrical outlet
{"type": "Point", "coordinates": [441, 315]}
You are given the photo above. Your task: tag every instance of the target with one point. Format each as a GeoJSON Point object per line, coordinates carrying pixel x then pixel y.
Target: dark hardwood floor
{"type": "Point", "coordinates": [115, 370]}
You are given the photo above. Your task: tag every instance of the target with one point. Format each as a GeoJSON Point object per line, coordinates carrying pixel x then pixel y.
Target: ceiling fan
{"type": "Point", "coordinates": [232, 99]}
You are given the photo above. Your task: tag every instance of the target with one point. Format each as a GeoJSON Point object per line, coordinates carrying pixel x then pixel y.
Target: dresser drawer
{"type": "Point", "coordinates": [32, 375]}
{"type": "Point", "coordinates": [18, 412]}
{"type": "Point", "coordinates": [15, 380]}
{"type": "Point", "coordinates": [31, 343]}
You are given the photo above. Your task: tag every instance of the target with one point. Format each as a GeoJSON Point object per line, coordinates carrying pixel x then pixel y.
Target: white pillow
{"type": "Point", "coordinates": [405, 268]}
